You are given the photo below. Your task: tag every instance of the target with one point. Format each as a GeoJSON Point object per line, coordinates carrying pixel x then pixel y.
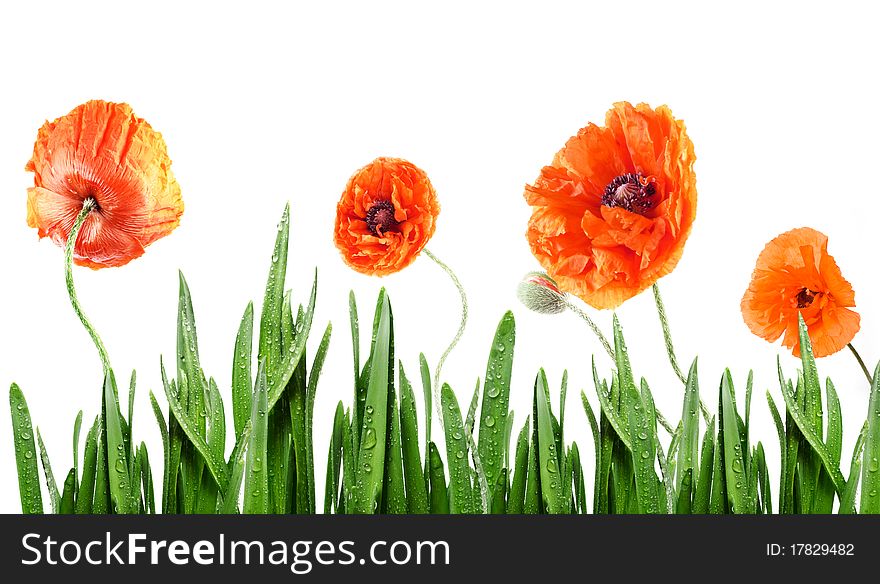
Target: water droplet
{"type": "Point", "coordinates": [28, 454]}
{"type": "Point", "coordinates": [367, 467]}
{"type": "Point", "coordinates": [643, 436]}
{"type": "Point", "coordinates": [456, 435]}
{"type": "Point", "coordinates": [369, 409]}
{"type": "Point", "coordinates": [490, 421]}
{"type": "Point", "coordinates": [645, 454]}
{"type": "Point", "coordinates": [551, 465]}
{"type": "Point", "coordinates": [874, 465]}
{"type": "Point", "coordinates": [737, 465]}
{"type": "Point", "coordinates": [120, 465]}
{"type": "Point", "coordinates": [493, 391]}
{"type": "Point", "coordinates": [27, 435]}
{"type": "Point", "coordinates": [369, 438]}
{"type": "Point", "coordinates": [460, 454]}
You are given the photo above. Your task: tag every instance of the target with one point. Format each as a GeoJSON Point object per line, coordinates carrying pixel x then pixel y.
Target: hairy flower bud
{"type": "Point", "coordinates": [539, 292]}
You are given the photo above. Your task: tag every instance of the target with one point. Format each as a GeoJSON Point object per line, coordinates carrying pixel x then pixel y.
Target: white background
{"type": "Point", "coordinates": [262, 103]}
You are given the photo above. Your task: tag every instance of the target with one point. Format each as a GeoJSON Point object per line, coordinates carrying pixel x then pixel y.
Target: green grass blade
{"type": "Point", "coordinates": [620, 425]}
{"type": "Point", "coordinates": [256, 483]}
{"type": "Point", "coordinates": [548, 455]}
{"type": "Point", "coordinates": [516, 498]}
{"type": "Point", "coordinates": [805, 425]}
{"type": "Point", "coordinates": [269, 349]}
{"type": "Point", "coordinates": [848, 499]}
{"type": "Point", "coordinates": [117, 465]}
{"type": "Point", "coordinates": [334, 462]}
{"type": "Point", "coordinates": [355, 342]}
{"type": "Point", "coordinates": [460, 489]}
{"type": "Point", "coordinates": [703, 487]}
{"type": "Point", "coordinates": [737, 482]}
{"type": "Point", "coordinates": [51, 485]}
{"type": "Point", "coordinates": [393, 489]}
{"type": "Point", "coordinates": [77, 428]}
{"type": "Point", "coordinates": [425, 373]}
{"type": "Point", "coordinates": [688, 448]}
{"type": "Point", "coordinates": [439, 492]}
{"type": "Point", "coordinates": [86, 491]}
{"type": "Point", "coordinates": [314, 376]}
{"type": "Point", "coordinates": [67, 505]}
{"type": "Point", "coordinates": [242, 381]}
{"type": "Point", "coordinates": [643, 428]}
{"type": "Point", "coordinates": [496, 397]}
{"type": "Point", "coordinates": [870, 500]}
{"type": "Point", "coordinates": [25, 454]}
{"type": "Point", "coordinates": [371, 457]}
{"type": "Point", "coordinates": [416, 489]}
{"type": "Point", "coordinates": [683, 505]}
{"type": "Point", "coordinates": [292, 357]}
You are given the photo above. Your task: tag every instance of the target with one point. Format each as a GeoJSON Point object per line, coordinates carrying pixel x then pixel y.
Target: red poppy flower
{"type": "Point", "coordinates": [103, 151]}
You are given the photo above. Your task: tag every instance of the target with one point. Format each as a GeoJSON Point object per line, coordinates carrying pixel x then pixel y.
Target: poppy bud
{"type": "Point", "coordinates": [539, 292]}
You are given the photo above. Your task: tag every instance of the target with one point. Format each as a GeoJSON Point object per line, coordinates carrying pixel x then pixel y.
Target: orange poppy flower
{"type": "Point", "coordinates": [795, 274]}
{"type": "Point", "coordinates": [385, 217]}
{"type": "Point", "coordinates": [103, 151]}
{"type": "Point", "coordinates": [612, 212]}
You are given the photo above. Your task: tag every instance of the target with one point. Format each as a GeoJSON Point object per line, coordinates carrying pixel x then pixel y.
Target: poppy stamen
{"type": "Point", "coordinates": [805, 297]}
{"type": "Point", "coordinates": [632, 191]}
{"type": "Point", "coordinates": [380, 218]}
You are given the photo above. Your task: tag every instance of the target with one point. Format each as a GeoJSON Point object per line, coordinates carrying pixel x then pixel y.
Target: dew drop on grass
{"type": "Point", "coordinates": [369, 438]}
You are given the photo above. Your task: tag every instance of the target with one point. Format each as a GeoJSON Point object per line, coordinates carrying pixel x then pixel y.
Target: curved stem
{"type": "Point", "coordinates": [607, 346]}
{"type": "Point", "coordinates": [670, 349]}
{"type": "Point", "coordinates": [577, 310]}
{"type": "Point", "coordinates": [88, 206]}
{"type": "Point", "coordinates": [861, 364]}
{"type": "Point", "coordinates": [464, 316]}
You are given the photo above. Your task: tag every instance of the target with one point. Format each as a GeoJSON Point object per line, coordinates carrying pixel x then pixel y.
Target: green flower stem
{"type": "Point", "coordinates": [88, 206]}
{"type": "Point", "coordinates": [607, 346]}
{"type": "Point", "coordinates": [464, 316]}
{"type": "Point", "coordinates": [861, 364]}
{"type": "Point", "coordinates": [478, 465]}
{"type": "Point", "coordinates": [670, 349]}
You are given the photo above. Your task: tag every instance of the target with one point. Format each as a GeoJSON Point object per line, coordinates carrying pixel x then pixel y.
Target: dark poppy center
{"type": "Point", "coordinates": [805, 297]}
{"type": "Point", "coordinates": [632, 191]}
{"type": "Point", "coordinates": [380, 218]}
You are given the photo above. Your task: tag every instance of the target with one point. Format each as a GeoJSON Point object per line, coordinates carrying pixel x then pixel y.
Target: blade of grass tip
{"type": "Point", "coordinates": [703, 485]}
{"type": "Point", "coordinates": [290, 419]}
{"type": "Point", "coordinates": [548, 456]}
{"type": "Point", "coordinates": [101, 500]}
{"type": "Point", "coordinates": [683, 505]}
{"type": "Point", "coordinates": [520, 470]}
{"type": "Point", "coordinates": [460, 492]}
{"type": "Point", "coordinates": [532, 504]}
{"type": "Point", "coordinates": [439, 492]}
{"type": "Point", "coordinates": [416, 488]}
{"type": "Point", "coordinates": [77, 427]}
{"type": "Point", "coordinates": [579, 486]}
{"type": "Point", "coordinates": [334, 462]}
{"type": "Point", "coordinates": [355, 343]}
{"type": "Point", "coordinates": [68, 497]}
{"type": "Point", "coordinates": [117, 465]}
{"type": "Point", "coordinates": [761, 480]}
{"type": "Point", "coordinates": [25, 454]}
{"type": "Point", "coordinates": [870, 499]}
{"type": "Point", "coordinates": [147, 480]}
{"type": "Point", "coordinates": [620, 426]}
{"type": "Point", "coordinates": [370, 460]}
{"type": "Point", "coordinates": [499, 503]}
{"type": "Point", "coordinates": [563, 395]}
{"type": "Point", "coordinates": [256, 483]}
{"type": "Point", "coordinates": [734, 465]}
{"type": "Point", "coordinates": [269, 348]}
{"type": "Point", "coordinates": [314, 375]}
{"type": "Point", "coordinates": [86, 491]}
{"type": "Point", "coordinates": [291, 359]}
{"type": "Point", "coordinates": [129, 422]}
{"type": "Point", "coordinates": [242, 381]}
{"type": "Point", "coordinates": [51, 485]}
{"type": "Point", "coordinates": [393, 489]}
{"type": "Point", "coordinates": [135, 502]}
{"type": "Point", "coordinates": [806, 428]}
{"type": "Point", "coordinates": [848, 499]}
{"type": "Point", "coordinates": [718, 498]}
{"type": "Point", "coordinates": [425, 372]}
{"type": "Point", "coordinates": [496, 399]}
